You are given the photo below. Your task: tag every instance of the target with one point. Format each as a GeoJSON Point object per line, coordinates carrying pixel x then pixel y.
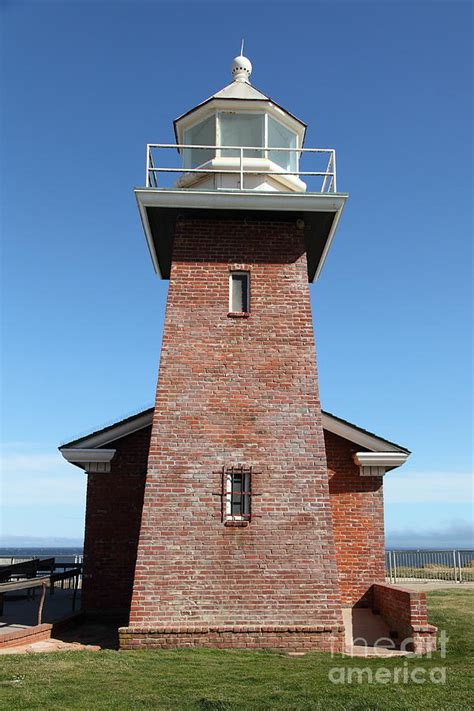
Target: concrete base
{"type": "Point", "coordinates": [19, 622]}
{"type": "Point", "coordinates": [428, 585]}
{"type": "Point", "coordinates": [48, 645]}
{"type": "Point", "coordinates": [367, 635]}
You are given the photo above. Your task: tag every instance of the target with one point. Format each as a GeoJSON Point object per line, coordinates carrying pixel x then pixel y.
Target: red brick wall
{"type": "Point", "coordinates": [357, 514]}
{"type": "Point", "coordinates": [237, 391]}
{"type": "Point", "coordinates": [406, 614]}
{"type": "Point", "coordinates": [25, 635]}
{"type": "Point", "coordinates": [113, 514]}
{"type": "Point", "coordinates": [301, 639]}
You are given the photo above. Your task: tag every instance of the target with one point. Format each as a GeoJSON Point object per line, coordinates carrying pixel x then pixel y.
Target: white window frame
{"type": "Point", "coordinates": [247, 274]}
{"type": "Point", "coordinates": [219, 145]}
{"type": "Point", "coordinates": [265, 147]}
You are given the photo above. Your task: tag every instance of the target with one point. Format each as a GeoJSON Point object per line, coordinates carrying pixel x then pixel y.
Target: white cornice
{"type": "Point", "coordinates": [240, 200]}
{"type": "Point", "coordinates": [149, 237]}
{"type": "Point", "coordinates": [381, 459]}
{"type": "Point", "coordinates": [328, 244]}
{"type": "Point", "coordinates": [92, 460]}
{"type": "Point", "coordinates": [378, 463]}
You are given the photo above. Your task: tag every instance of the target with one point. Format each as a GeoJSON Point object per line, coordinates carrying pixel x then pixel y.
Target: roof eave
{"type": "Point", "coordinates": [143, 419]}
{"type": "Point", "coordinates": [358, 435]}
{"type": "Point", "coordinates": [301, 204]}
{"type": "Point", "coordinates": [216, 97]}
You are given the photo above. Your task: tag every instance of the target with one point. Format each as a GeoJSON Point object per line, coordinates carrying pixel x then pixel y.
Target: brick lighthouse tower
{"type": "Point", "coordinates": [236, 545]}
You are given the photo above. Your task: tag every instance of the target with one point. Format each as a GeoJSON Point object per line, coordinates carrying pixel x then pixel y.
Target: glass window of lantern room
{"type": "Point", "coordinates": [239, 129]}
{"type": "Point", "coordinates": [239, 292]}
{"type": "Point", "coordinates": [281, 137]}
{"type": "Point", "coordinates": [202, 134]}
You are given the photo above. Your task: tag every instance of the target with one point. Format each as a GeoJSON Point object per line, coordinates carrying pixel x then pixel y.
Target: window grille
{"type": "Point", "coordinates": [237, 492]}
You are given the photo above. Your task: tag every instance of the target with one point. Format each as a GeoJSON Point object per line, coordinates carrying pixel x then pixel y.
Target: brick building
{"type": "Point", "coordinates": [236, 512]}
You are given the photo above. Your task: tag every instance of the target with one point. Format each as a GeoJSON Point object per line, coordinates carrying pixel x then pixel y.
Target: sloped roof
{"type": "Point", "coordinates": [238, 91]}
{"type": "Point", "coordinates": [331, 423]}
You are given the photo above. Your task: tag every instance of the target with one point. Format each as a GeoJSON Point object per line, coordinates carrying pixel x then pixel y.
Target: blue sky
{"type": "Point", "coordinates": [87, 84]}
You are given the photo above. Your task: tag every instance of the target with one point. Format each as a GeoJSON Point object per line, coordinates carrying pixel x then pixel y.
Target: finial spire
{"type": "Point", "coordinates": [241, 66]}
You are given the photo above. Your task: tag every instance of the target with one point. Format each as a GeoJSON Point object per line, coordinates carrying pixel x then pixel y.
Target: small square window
{"type": "Point", "coordinates": [239, 296]}
{"type": "Point", "coordinates": [236, 492]}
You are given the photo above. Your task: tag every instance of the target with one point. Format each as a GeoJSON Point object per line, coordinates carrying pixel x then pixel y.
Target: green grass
{"type": "Point", "coordinates": [221, 680]}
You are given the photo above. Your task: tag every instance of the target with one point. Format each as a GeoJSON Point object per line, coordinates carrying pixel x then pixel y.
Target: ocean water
{"type": "Point", "coordinates": [414, 557]}
{"type": "Point", "coordinates": [62, 555]}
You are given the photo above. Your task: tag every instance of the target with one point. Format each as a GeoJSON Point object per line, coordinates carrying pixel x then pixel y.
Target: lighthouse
{"type": "Point", "coordinates": [236, 542]}
{"type": "Point", "coordinates": [235, 512]}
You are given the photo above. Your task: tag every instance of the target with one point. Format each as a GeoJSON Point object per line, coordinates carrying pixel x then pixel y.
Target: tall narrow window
{"type": "Point", "coordinates": [239, 292]}
{"type": "Point", "coordinates": [237, 493]}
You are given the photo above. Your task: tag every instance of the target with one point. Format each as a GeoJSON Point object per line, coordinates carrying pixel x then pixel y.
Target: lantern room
{"type": "Point", "coordinates": [240, 132]}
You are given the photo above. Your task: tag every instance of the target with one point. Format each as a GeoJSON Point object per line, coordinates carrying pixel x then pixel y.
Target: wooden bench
{"type": "Point", "coordinates": [25, 569]}
{"type": "Point", "coordinates": [46, 565]}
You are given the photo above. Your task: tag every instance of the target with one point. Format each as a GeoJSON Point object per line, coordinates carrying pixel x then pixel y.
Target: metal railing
{"type": "Point", "coordinates": [43, 582]}
{"type": "Point", "coordinates": [325, 177]}
{"type": "Point", "coordinates": [456, 565]}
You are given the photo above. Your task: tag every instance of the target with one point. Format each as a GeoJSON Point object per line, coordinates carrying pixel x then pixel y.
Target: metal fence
{"type": "Point", "coordinates": [456, 565]}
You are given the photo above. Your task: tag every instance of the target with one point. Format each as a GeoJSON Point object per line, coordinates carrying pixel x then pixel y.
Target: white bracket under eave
{"type": "Point", "coordinates": [378, 463]}
{"type": "Point", "coordinates": [92, 460]}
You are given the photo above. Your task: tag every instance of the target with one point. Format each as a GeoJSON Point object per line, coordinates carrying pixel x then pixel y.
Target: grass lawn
{"type": "Point", "coordinates": [208, 679]}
